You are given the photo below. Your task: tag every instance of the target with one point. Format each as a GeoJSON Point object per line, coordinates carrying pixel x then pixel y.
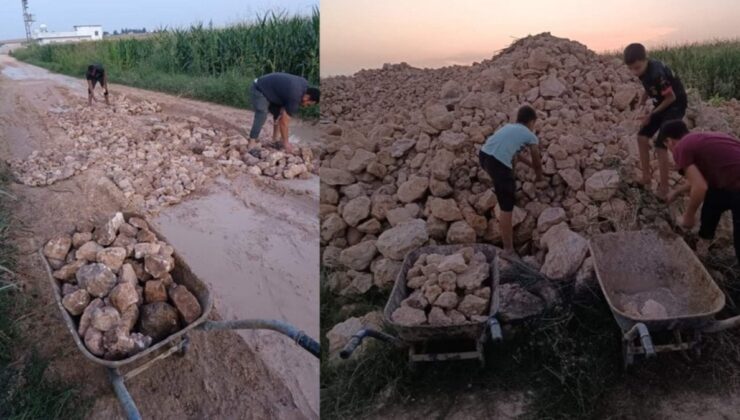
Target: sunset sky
{"type": "Point", "coordinates": [432, 33]}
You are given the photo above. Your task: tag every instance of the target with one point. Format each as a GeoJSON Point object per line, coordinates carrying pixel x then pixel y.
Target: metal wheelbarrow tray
{"type": "Point", "coordinates": [417, 337]}
{"type": "Point", "coordinates": [644, 265]}
{"type": "Point", "coordinates": [176, 343]}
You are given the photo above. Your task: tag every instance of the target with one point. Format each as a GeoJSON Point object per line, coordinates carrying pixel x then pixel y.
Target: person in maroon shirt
{"type": "Point", "coordinates": [711, 164]}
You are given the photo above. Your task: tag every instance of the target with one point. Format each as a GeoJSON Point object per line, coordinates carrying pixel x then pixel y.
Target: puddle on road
{"type": "Point", "coordinates": [261, 260]}
{"type": "Point", "coordinates": [258, 268]}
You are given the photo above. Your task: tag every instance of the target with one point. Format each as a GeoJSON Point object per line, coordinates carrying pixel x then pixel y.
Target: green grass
{"type": "Point", "coordinates": [713, 68]}
{"type": "Point", "coordinates": [200, 62]}
{"type": "Point", "coordinates": [567, 361]}
{"type": "Point", "coordinates": [27, 391]}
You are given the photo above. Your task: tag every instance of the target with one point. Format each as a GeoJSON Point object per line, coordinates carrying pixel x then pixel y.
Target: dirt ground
{"type": "Point", "coordinates": [253, 240]}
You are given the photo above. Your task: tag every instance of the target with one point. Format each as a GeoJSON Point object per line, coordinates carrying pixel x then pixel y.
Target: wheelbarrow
{"type": "Point", "coordinates": [636, 267]}
{"type": "Point", "coordinates": [120, 371]}
{"type": "Point", "coordinates": [426, 343]}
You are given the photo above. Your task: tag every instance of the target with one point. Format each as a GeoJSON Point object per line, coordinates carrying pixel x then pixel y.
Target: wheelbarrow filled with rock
{"type": "Point", "coordinates": [129, 299]}
{"type": "Point", "coordinates": [656, 286]}
{"type": "Point", "coordinates": [443, 304]}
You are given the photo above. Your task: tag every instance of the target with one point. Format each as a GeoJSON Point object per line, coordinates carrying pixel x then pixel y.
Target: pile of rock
{"type": "Point", "coordinates": [400, 169]}
{"type": "Point", "coordinates": [154, 160]}
{"type": "Point", "coordinates": [115, 281]}
{"type": "Point", "coordinates": [446, 290]}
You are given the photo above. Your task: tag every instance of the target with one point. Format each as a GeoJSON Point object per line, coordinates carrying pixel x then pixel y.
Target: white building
{"type": "Point", "coordinates": [81, 33]}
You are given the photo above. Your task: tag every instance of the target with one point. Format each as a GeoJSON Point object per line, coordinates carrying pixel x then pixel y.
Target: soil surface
{"type": "Point", "coordinates": [253, 240]}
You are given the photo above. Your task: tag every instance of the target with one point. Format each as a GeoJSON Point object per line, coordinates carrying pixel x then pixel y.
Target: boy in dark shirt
{"type": "Point", "coordinates": [96, 74]}
{"type": "Point", "coordinates": [711, 164]}
{"type": "Point", "coordinates": [280, 94]}
{"type": "Point", "coordinates": [669, 103]}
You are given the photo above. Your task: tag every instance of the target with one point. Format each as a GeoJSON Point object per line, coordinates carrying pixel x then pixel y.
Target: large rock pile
{"type": "Point", "coordinates": [447, 290]}
{"type": "Point", "coordinates": [154, 160]}
{"type": "Point", "coordinates": [116, 283]}
{"type": "Point", "coordinates": [400, 169]}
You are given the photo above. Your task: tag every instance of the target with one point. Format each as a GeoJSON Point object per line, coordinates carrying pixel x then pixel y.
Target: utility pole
{"type": "Point", "coordinates": [27, 20]}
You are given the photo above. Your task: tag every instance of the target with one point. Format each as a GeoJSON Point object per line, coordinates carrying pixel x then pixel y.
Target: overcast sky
{"type": "Point", "coordinates": [432, 33]}
{"type": "Point", "coordinates": [61, 15]}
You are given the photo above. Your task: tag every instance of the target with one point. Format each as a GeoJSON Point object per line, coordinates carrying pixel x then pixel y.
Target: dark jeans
{"type": "Point", "coordinates": [717, 202]}
{"type": "Point", "coordinates": [261, 106]}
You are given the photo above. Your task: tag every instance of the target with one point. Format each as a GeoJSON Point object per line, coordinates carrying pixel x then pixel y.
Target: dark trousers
{"type": "Point", "coordinates": [717, 202]}
{"type": "Point", "coordinates": [261, 106]}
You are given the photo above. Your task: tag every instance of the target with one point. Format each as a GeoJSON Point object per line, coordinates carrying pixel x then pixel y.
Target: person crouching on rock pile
{"type": "Point", "coordinates": [496, 158]}
{"type": "Point", "coordinates": [96, 74]}
{"type": "Point", "coordinates": [711, 164]}
{"type": "Point", "coordinates": [280, 94]}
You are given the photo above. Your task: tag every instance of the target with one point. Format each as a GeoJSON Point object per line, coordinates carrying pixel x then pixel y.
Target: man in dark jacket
{"type": "Point", "coordinates": [96, 74]}
{"type": "Point", "coordinates": [280, 94]}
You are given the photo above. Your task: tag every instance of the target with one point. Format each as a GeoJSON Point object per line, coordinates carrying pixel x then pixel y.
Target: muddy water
{"type": "Point", "coordinates": [257, 249]}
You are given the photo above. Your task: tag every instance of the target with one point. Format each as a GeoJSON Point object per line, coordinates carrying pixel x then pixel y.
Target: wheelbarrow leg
{"type": "Point", "coordinates": [303, 340]}
{"type": "Point", "coordinates": [127, 403]}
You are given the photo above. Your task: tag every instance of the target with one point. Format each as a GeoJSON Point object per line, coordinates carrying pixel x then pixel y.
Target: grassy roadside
{"type": "Point", "coordinates": [212, 64]}
{"type": "Point", "coordinates": [26, 390]}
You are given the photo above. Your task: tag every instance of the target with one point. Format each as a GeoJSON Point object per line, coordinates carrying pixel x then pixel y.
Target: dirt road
{"type": "Point", "coordinates": [252, 239]}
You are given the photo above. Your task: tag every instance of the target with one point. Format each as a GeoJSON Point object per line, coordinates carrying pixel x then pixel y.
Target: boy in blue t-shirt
{"type": "Point", "coordinates": [496, 158]}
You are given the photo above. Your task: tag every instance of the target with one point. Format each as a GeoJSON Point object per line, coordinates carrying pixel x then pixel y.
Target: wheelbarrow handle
{"type": "Point", "coordinates": [127, 403]}
{"type": "Point", "coordinates": [495, 328]}
{"type": "Point", "coordinates": [301, 338]}
{"type": "Point", "coordinates": [360, 335]}
{"type": "Point", "coordinates": [645, 339]}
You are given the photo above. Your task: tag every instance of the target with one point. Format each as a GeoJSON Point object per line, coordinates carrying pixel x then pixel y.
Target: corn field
{"type": "Point", "coordinates": [712, 68]}
{"type": "Point", "coordinates": [215, 64]}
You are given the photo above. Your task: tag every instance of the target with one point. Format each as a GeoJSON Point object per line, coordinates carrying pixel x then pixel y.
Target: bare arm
{"type": "Point", "coordinates": [521, 158]}
{"type": "Point", "coordinates": [667, 101]}
{"type": "Point", "coordinates": [683, 189]}
{"type": "Point", "coordinates": [699, 188]}
{"type": "Point", "coordinates": [534, 150]}
{"type": "Point", "coordinates": [644, 98]}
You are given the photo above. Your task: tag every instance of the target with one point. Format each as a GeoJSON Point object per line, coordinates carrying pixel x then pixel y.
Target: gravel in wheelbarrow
{"type": "Point", "coordinates": [444, 292]}
{"type": "Point", "coordinates": [122, 290]}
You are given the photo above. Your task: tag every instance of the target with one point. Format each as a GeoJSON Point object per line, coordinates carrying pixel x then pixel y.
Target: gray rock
{"type": "Point", "coordinates": [58, 247]}
{"type": "Point", "coordinates": [96, 278]}
{"type": "Point", "coordinates": [76, 302]}
{"type": "Point", "coordinates": [397, 241]}
{"type": "Point", "coordinates": [104, 318]}
{"type": "Point", "coordinates": [158, 320]}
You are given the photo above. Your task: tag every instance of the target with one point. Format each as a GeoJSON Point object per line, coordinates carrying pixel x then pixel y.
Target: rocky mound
{"type": "Point", "coordinates": [155, 160]}
{"type": "Point", "coordinates": [116, 283]}
{"type": "Point", "coordinates": [400, 169]}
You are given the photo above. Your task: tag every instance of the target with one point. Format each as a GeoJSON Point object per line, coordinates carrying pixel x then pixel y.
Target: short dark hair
{"type": "Point", "coordinates": [634, 52]}
{"type": "Point", "coordinates": [314, 94]}
{"type": "Point", "coordinates": [90, 68]}
{"type": "Point", "coordinates": [525, 115]}
{"type": "Point", "coordinates": [674, 129]}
